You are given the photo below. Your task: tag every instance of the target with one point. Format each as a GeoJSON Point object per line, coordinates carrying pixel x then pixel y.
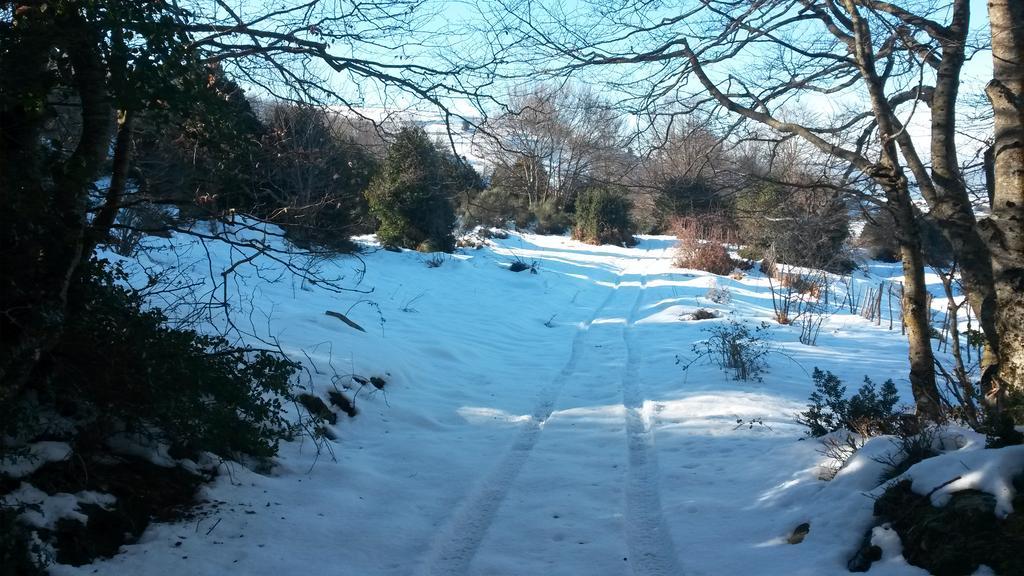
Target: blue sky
{"type": "Point", "coordinates": [463, 32]}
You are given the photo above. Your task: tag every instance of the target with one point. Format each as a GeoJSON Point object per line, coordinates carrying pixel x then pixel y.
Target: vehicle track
{"type": "Point", "coordinates": [457, 544]}
{"type": "Point", "coordinates": [651, 550]}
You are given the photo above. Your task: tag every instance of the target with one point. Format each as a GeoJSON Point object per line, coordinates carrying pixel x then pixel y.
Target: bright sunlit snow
{"type": "Point", "coordinates": [541, 424]}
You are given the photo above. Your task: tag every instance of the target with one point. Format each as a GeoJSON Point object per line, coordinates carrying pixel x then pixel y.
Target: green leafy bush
{"type": "Point", "coordinates": [290, 164]}
{"type": "Point", "coordinates": [878, 239]}
{"type": "Point", "coordinates": [410, 196]}
{"type": "Point", "coordinates": [602, 217]}
{"type": "Point", "coordinates": [492, 207]}
{"type": "Point", "coordinates": [869, 412]}
{"type": "Point", "coordinates": [121, 368]}
{"type": "Point", "coordinates": [204, 150]}
{"type": "Point", "coordinates": [313, 176]}
{"type": "Point", "coordinates": [525, 181]}
{"type": "Point", "coordinates": [750, 252]}
{"type": "Point", "coordinates": [686, 196]}
{"type": "Point", "coordinates": [547, 217]}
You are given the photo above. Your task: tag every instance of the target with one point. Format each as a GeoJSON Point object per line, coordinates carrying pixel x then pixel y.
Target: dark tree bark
{"type": "Point", "coordinates": [944, 188]}
{"type": "Point", "coordinates": [40, 301]}
{"type": "Point", "coordinates": [107, 214]}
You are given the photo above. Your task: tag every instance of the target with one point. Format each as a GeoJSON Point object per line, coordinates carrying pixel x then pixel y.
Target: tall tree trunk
{"type": "Point", "coordinates": [915, 309]}
{"type": "Point", "coordinates": [890, 174]}
{"type": "Point", "coordinates": [946, 192]}
{"type": "Point", "coordinates": [106, 216]}
{"type": "Point", "coordinates": [1004, 229]}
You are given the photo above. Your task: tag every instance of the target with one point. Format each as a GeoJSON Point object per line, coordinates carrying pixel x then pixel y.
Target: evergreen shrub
{"type": "Point", "coordinates": [869, 412]}
{"type": "Point", "coordinates": [409, 196]}
{"type": "Point", "coordinates": [121, 369]}
{"type": "Point", "coordinates": [602, 217]}
{"type": "Point", "coordinates": [547, 217]}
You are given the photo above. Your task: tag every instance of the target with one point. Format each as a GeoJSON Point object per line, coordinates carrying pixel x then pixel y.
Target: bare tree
{"type": "Point", "coordinates": [684, 148]}
{"type": "Point", "coordinates": [758, 61]}
{"type": "Point", "coordinates": [312, 175]}
{"type": "Point", "coordinates": [555, 139]}
{"type": "Point", "coordinates": [684, 170]}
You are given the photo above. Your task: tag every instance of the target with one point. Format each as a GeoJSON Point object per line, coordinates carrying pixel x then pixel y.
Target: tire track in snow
{"type": "Point", "coordinates": [651, 550]}
{"type": "Point", "coordinates": [457, 545]}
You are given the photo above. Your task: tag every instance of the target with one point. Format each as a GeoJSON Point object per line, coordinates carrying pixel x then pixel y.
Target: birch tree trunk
{"type": "Point", "coordinates": [1004, 229]}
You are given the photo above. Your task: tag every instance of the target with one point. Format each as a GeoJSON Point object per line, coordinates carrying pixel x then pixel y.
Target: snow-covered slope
{"type": "Point", "coordinates": [535, 424]}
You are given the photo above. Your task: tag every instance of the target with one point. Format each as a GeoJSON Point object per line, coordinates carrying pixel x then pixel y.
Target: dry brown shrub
{"type": "Point", "coordinates": [801, 284]}
{"type": "Point", "coordinates": [699, 253]}
{"type": "Point", "coordinates": [707, 256]}
{"type": "Point", "coordinates": [712, 227]}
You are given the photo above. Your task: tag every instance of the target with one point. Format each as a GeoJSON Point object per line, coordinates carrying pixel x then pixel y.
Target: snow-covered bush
{"type": "Point", "coordinates": [409, 197]}
{"type": "Point", "coordinates": [957, 538]}
{"type": "Point", "coordinates": [869, 412]}
{"type": "Point", "coordinates": [718, 294]}
{"type": "Point", "coordinates": [18, 555]}
{"type": "Point", "coordinates": [602, 217]}
{"type": "Point", "coordinates": [911, 449]}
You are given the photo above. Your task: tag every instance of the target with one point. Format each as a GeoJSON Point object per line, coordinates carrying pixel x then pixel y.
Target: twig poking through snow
{"type": "Point", "coordinates": [344, 319]}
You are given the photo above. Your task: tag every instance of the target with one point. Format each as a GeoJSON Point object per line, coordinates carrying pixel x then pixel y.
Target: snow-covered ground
{"type": "Point", "coordinates": [538, 424]}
